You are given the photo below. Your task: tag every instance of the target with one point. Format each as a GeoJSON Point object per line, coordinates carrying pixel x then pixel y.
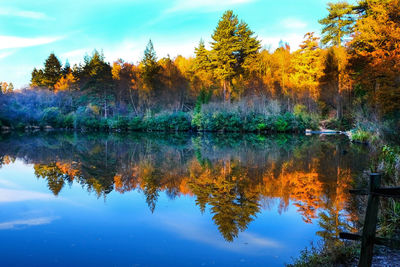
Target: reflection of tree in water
{"type": "Point", "coordinates": [55, 177]}
{"type": "Point", "coordinates": [230, 179]}
{"type": "Point", "coordinates": [151, 183]}
{"type": "Point", "coordinates": [5, 160]}
{"type": "Point", "coordinates": [224, 187]}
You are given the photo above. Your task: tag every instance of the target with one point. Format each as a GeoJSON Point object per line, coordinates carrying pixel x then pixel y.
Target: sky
{"type": "Point", "coordinates": [31, 30]}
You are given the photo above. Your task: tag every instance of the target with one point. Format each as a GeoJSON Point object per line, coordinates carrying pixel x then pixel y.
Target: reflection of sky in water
{"type": "Point", "coordinates": [76, 228]}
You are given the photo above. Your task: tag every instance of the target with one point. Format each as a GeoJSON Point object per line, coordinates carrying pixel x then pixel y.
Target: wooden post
{"type": "Point", "coordinates": [371, 217]}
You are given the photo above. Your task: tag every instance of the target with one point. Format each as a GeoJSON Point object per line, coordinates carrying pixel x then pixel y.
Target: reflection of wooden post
{"type": "Point", "coordinates": [368, 235]}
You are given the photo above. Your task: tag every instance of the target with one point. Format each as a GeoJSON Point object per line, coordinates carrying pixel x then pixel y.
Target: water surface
{"type": "Point", "coordinates": [72, 199]}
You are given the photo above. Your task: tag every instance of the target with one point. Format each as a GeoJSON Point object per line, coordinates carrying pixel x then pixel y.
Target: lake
{"type": "Point", "coordinates": [154, 199]}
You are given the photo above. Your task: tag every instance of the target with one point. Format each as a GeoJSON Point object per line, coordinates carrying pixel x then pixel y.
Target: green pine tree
{"type": "Point", "coordinates": [202, 60]}
{"type": "Point", "coordinates": [67, 68]}
{"type": "Point", "coordinates": [52, 71]}
{"type": "Point", "coordinates": [37, 78]}
{"type": "Point", "coordinates": [150, 68]}
{"type": "Point", "coordinates": [232, 43]}
{"type": "Point", "coordinates": [338, 24]}
{"type": "Point", "coordinates": [96, 78]}
{"type": "Point", "coordinates": [225, 46]}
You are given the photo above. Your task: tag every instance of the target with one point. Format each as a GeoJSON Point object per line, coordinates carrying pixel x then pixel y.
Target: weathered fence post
{"type": "Point", "coordinates": [369, 229]}
{"type": "Point", "coordinates": [368, 238]}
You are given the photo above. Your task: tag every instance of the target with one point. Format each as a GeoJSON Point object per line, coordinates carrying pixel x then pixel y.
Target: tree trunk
{"type": "Point", "coordinates": [224, 92]}
{"type": "Point", "coordinates": [105, 107]}
{"type": "Point", "coordinates": [339, 106]}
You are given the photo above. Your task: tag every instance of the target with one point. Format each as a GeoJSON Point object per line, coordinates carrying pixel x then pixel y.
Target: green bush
{"type": "Point", "coordinates": [361, 136]}
{"type": "Point", "coordinates": [233, 121]}
{"type": "Point", "coordinates": [104, 124]}
{"type": "Point", "coordinates": [135, 124]}
{"type": "Point", "coordinates": [52, 116]}
{"type": "Point", "coordinates": [176, 121]}
{"type": "Point", "coordinates": [68, 121]}
{"type": "Point", "coordinates": [179, 121]}
{"type": "Point", "coordinates": [120, 123]}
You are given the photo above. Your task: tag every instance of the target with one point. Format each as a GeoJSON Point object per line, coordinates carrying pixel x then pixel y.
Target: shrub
{"type": "Point", "coordinates": [176, 121]}
{"type": "Point", "coordinates": [281, 124]}
{"type": "Point", "coordinates": [179, 121]}
{"type": "Point", "coordinates": [299, 110]}
{"type": "Point", "coordinates": [136, 124]}
{"type": "Point", "coordinates": [68, 121]}
{"type": "Point", "coordinates": [361, 136]}
{"type": "Point", "coordinates": [52, 116]}
{"type": "Point", "coordinates": [121, 123]}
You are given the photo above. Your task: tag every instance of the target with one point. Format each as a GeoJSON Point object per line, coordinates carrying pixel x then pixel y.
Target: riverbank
{"type": "Point", "coordinates": [217, 121]}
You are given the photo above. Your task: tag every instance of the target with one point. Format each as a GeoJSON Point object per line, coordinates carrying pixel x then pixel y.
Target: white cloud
{"type": "Point", "coordinates": [11, 195]}
{"type": "Point", "coordinates": [293, 23]}
{"type": "Point", "coordinates": [199, 231]}
{"type": "Point", "coordinates": [28, 222]}
{"type": "Point", "coordinates": [22, 13]}
{"type": "Point", "coordinates": [18, 42]}
{"type": "Point", "coordinates": [75, 56]}
{"type": "Point", "coordinates": [210, 5]}
{"type": "Point", "coordinates": [5, 54]}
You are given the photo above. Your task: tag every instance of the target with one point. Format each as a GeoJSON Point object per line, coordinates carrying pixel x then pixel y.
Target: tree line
{"type": "Point", "coordinates": [351, 72]}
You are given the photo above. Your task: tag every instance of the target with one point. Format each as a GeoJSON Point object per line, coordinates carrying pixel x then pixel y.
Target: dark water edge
{"type": "Point", "coordinates": [257, 199]}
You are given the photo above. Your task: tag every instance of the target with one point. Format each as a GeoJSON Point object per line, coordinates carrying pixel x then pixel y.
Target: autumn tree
{"type": "Point", "coordinates": [174, 85]}
{"type": "Point", "coordinates": [282, 68]}
{"type": "Point", "coordinates": [376, 53]}
{"type": "Point", "coordinates": [307, 68]}
{"type": "Point", "coordinates": [338, 24]}
{"type": "Point", "coordinates": [127, 83]}
{"type": "Point", "coordinates": [6, 88]}
{"type": "Point", "coordinates": [67, 82]}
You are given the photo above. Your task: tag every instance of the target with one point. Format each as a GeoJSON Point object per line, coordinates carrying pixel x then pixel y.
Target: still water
{"type": "Point", "coordinates": [71, 199]}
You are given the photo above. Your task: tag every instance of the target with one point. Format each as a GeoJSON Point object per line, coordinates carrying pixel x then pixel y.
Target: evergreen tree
{"type": "Point", "coordinates": [96, 77]}
{"type": "Point", "coordinates": [232, 43]}
{"type": "Point", "coordinates": [10, 88]}
{"type": "Point", "coordinates": [67, 68]}
{"type": "Point", "coordinates": [338, 24]}
{"type": "Point", "coordinates": [52, 71]}
{"type": "Point", "coordinates": [202, 60]}
{"type": "Point", "coordinates": [37, 78]}
{"type": "Point", "coordinates": [248, 45]}
{"type": "Point", "coordinates": [150, 67]}
{"type": "Point", "coordinates": [225, 48]}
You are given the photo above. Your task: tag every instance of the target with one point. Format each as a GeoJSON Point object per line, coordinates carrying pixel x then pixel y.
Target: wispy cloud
{"type": "Point", "coordinates": [210, 5]}
{"type": "Point", "coordinates": [293, 24]}
{"type": "Point", "coordinates": [12, 195]}
{"type": "Point", "coordinates": [28, 222]}
{"type": "Point", "coordinates": [7, 42]}
{"type": "Point", "coordinates": [197, 231]}
{"type": "Point", "coordinates": [4, 11]}
{"type": "Point", "coordinates": [75, 56]}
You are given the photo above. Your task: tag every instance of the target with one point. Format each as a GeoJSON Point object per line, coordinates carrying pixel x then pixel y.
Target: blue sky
{"type": "Point", "coordinates": [31, 30]}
